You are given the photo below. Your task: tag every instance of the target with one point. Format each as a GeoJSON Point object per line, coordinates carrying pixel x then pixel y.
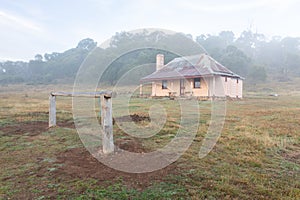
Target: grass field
{"type": "Point", "coordinates": [256, 157]}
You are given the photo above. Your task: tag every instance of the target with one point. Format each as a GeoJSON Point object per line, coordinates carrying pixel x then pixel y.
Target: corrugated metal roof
{"type": "Point", "coordinates": [190, 66]}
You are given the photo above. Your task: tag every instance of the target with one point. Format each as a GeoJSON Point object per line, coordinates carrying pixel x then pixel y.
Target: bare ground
{"type": "Point", "coordinates": [77, 164]}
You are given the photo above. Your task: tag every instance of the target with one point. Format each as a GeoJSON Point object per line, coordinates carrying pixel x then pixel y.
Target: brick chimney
{"type": "Point", "coordinates": [159, 61]}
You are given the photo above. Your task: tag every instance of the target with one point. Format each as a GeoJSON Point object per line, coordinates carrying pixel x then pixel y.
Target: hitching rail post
{"type": "Point", "coordinates": [52, 110]}
{"type": "Point", "coordinates": [107, 124]}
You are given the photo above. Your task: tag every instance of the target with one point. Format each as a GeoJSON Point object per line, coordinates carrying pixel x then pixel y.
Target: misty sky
{"type": "Point", "coordinates": [29, 27]}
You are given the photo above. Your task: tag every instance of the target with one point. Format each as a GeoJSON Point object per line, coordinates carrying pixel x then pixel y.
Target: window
{"type": "Point", "coordinates": [237, 80]}
{"type": "Point", "coordinates": [164, 84]}
{"type": "Point", "coordinates": [225, 78]}
{"type": "Point", "coordinates": [196, 82]}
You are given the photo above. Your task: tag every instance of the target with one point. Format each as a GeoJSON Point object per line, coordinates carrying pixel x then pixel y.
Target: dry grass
{"type": "Point", "coordinates": [256, 157]}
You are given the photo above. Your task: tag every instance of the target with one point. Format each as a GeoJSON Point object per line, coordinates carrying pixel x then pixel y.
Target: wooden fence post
{"type": "Point", "coordinates": [106, 114]}
{"type": "Point", "coordinates": [52, 110]}
{"type": "Point", "coordinates": [107, 124]}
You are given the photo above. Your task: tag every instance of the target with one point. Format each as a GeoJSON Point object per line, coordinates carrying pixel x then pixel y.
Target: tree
{"type": "Point", "coordinates": [236, 60]}
{"type": "Point", "coordinates": [87, 44]}
{"type": "Point", "coordinates": [227, 37]}
{"type": "Point", "coordinates": [257, 74]}
{"type": "Point", "coordinates": [290, 45]}
{"type": "Point", "coordinates": [38, 57]}
{"type": "Point", "coordinates": [250, 43]}
{"type": "Point", "coordinates": [51, 56]}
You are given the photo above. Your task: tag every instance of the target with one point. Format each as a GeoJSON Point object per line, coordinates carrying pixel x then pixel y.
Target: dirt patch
{"type": "Point", "coordinates": [31, 128]}
{"type": "Point", "coordinates": [79, 163]}
{"type": "Point", "coordinates": [130, 144]}
{"type": "Point", "coordinates": [28, 128]}
{"type": "Point", "coordinates": [133, 117]}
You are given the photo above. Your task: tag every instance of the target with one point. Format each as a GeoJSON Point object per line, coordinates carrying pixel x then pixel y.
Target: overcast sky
{"type": "Point", "coordinates": [30, 27]}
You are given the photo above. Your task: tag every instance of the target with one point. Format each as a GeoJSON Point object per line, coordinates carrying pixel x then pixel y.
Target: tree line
{"type": "Point", "coordinates": [251, 55]}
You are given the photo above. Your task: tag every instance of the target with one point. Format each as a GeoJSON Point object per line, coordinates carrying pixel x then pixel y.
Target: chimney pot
{"type": "Point", "coordinates": [159, 61]}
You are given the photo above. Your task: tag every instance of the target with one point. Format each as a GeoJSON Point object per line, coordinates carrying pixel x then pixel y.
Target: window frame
{"type": "Point", "coordinates": [164, 84]}
{"type": "Point", "coordinates": [197, 82]}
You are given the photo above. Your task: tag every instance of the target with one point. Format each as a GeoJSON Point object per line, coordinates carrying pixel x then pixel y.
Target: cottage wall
{"type": "Point", "coordinates": [223, 86]}
{"type": "Point", "coordinates": [240, 89]}
{"type": "Point", "coordinates": [234, 88]}
{"type": "Point", "coordinates": [227, 86]}
{"type": "Point", "coordinates": [202, 91]}
{"type": "Point", "coordinates": [174, 88]}
{"type": "Point", "coordinates": [220, 86]}
{"type": "Point", "coordinates": [158, 91]}
{"type": "Point", "coordinates": [216, 86]}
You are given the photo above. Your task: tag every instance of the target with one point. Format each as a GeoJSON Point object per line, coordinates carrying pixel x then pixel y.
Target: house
{"type": "Point", "coordinates": [196, 76]}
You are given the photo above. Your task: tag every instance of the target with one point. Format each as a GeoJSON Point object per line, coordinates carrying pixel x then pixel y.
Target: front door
{"type": "Point", "coordinates": [182, 87]}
